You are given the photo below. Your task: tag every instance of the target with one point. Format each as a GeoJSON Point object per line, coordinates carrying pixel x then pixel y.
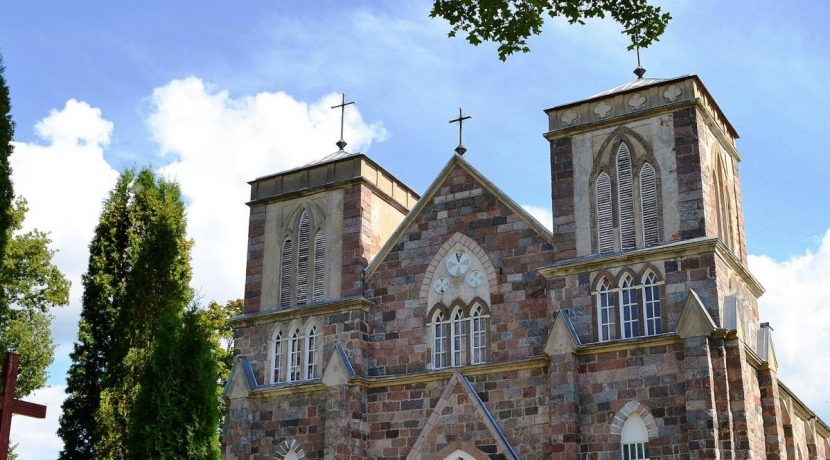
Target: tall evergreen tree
{"type": "Point", "coordinates": [157, 287]}
{"type": "Point", "coordinates": [175, 414]}
{"type": "Point", "coordinates": [104, 288]}
{"type": "Point", "coordinates": [6, 189]}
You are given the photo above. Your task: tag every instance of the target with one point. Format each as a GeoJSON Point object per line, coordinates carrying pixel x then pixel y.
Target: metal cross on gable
{"type": "Point", "coordinates": [341, 144]}
{"type": "Point", "coordinates": [9, 405]}
{"type": "Point", "coordinates": [460, 120]}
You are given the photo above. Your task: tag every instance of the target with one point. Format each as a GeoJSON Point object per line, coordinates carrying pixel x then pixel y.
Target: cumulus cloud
{"type": "Point", "coordinates": [65, 178]}
{"type": "Point", "coordinates": [543, 215]}
{"type": "Point", "coordinates": [796, 305]}
{"type": "Point", "coordinates": [218, 142]}
{"type": "Point", "coordinates": [36, 438]}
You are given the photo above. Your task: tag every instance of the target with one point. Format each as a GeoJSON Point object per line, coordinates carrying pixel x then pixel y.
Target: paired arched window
{"type": "Point", "coordinates": [303, 264]}
{"type": "Point", "coordinates": [461, 339]}
{"type": "Point", "coordinates": [634, 439]}
{"type": "Point", "coordinates": [295, 356]}
{"type": "Point", "coordinates": [628, 207]}
{"type": "Point", "coordinates": [639, 310]}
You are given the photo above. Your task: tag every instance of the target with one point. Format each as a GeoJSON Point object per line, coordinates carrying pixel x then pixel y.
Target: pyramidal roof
{"type": "Point", "coordinates": [638, 83]}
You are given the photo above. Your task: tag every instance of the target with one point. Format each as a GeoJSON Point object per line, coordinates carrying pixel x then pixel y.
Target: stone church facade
{"type": "Point", "coordinates": [380, 324]}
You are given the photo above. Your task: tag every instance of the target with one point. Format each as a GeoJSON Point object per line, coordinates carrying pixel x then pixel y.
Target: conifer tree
{"type": "Point", "coordinates": [6, 189]}
{"type": "Point", "coordinates": [175, 414]}
{"type": "Point", "coordinates": [104, 288]}
{"type": "Point", "coordinates": [157, 287]}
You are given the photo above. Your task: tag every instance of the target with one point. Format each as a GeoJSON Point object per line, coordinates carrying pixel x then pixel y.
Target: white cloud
{"type": "Point", "coordinates": [219, 143]}
{"type": "Point", "coordinates": [36, 439]}
{"type": "Point", "coordinates": [796, 305]}
{"type": "Point", "coordinates": [543, 215]}
{"type": "Point", "coordinates": [65, 179]}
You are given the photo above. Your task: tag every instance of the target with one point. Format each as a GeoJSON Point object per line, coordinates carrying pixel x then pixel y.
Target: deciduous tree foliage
{"type": "Point", "coordinates": [509, 23]}
{"type": "Point", "coordinates": [30, 285]}
{"type": "Point", "coordinates": [104, 289]}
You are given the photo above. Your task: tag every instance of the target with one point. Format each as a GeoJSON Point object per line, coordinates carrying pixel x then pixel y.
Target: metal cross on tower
{"type": "Point", "coordinates": [460, 120]}
{"type": "Point", "coordinates": [341, 144]}
{"type": "Point", "coordinates": [9, 405]}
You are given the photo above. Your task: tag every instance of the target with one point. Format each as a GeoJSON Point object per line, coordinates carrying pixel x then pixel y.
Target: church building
{"type": "Point", "coordinates": [384, 324]}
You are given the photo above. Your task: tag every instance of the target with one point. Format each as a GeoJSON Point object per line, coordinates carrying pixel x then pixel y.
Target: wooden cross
{"type": "Point", "coordinates": [342, 106]}
{"type": "Point", "coordinates": [9, 405]}
{"type": "Point", "coordinates": [460, 120]}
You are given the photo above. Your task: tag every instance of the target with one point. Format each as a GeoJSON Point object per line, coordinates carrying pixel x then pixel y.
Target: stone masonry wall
{"type": "Point", "coordinates": [519, 311]}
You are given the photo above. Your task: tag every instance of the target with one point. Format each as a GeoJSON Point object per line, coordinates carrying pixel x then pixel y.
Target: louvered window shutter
{"type": "Point", "coordinates": [625, 198]}
{"type": "Point", "coordinates": [319, 265]}
{"type": "Point", "coordinates": [302, 259]}
{"type": "Point", "coordinates": [648, 201]}
{"type": "Point", "coordinates": [605, 225]}
{"type": "Point", "coordinates": [287, 264]}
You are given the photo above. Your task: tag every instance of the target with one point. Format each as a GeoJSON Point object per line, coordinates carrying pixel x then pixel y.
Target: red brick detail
{"type": "Point", "coordinates": [773, 417]}
{"type": "Point", "coordinates": [701, 416]}
{"type": "Point", "coordinates": [256, 246]}
{"type": "Point", "coordinates": [562, 196]}
{"type": "Point", "coordinates": [689, 179]}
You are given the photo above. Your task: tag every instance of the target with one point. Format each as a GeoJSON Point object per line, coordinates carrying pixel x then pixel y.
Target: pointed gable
{"type": "Point", "coordinates": [460, 211]}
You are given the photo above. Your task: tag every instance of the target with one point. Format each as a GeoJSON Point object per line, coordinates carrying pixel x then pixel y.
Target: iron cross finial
{"type": "Point", "coordinates": [460, 120]}
{"type": "Point", "coordinates": [341, 144]}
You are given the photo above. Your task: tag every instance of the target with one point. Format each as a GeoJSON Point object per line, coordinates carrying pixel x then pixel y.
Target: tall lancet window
{"type": "Point", "coordinates": [459, 334]}
{"type": "Point", "coordinates": [276, 364]}
{"type": "Point", "coordinates": [479, 336]}
{"type": "Point", "coordinates": [439, 339]}
{"type": "Point", "coordinates": [605, 218]}
{"type": "Point", "coordinates": [302, 258]}
{"type": "Point", "coordinates": [295, 356]}
{"type": "Point", "coordinates": [625, 198]}
{"type": "Point", "coordinates": [286, 266]}
{"type": "Point", "coordinates": [651, 305]}
{"type": "Point", "coordinates": [605, 311]}
{"type": "Point", "coordinates": [311, 353]}
{"type": "Point", "coordinates": [319, 290]}
{"type": "Point", "coordinates": [648, 203]}
{"type": "Point", "coordinates": [629, 319]}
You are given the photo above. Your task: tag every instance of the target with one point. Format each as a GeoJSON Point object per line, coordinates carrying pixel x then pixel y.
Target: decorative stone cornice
{"type": "Point", "coordinates": [301, 311]}
{"type": "Point", "coordinates": [684, 248]}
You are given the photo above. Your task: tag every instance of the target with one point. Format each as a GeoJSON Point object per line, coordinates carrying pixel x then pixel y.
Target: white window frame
{"type": "Point", "coordinates": [277, 355]}
{"type": "Point", "coordinates": [439, 341]}
{"type": "Point", "coordinates": [295, 357]}
{"type": "Point", "coordinates": [478, 335]}
{"type": "Point", "coordinates": [312, 339]}
{"type": "Point", "coordinates": [605, 303]}
{"type": "Point", "coordinates": [629, 308]}
{"type": "Point", "coordinates": [458, 338]}
{"type": "Point", "coordinates": [653, 323]}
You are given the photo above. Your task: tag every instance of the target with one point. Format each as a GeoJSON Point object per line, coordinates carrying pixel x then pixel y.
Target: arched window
{"type": "Point", "coordinates": [286, 266]}
{"type": "Point", "coordinates": [276, 358]}
{"type": "Point", "coordinates": [319, 290]}
{"type": "Point", "coordinates": [295, 356]}
{"type": "Point", "coordinates": [459, 337]}
{"type": "Point", "coordinates": [629, 319]}
{"type": "Point", "coordinates": [651, 305]}
{"type": "Point", "coordinates": [723, 205]}
{"type": "Point", "coordinates": [302, 258]}
{"type": "Point", "coordinates": [605, 313]}
{"type": "Point", "coordinates": [439, 341]}
{"type": "Point", "coordinates": [648, 205]}
{"type": "Point", "coordinates": [605, 218]}
{"type": "Point", "coordinates": [311, 353]}
{"type": "Point", "coordinates": [625, 198]}
{"type": "Point", "coordinates": [478, 336]}
{"type": "Point", "coordinates": [634, 439]}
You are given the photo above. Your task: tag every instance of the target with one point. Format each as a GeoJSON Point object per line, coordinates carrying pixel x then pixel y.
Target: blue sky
{"type": "Point", "coordinates": [257, 78]}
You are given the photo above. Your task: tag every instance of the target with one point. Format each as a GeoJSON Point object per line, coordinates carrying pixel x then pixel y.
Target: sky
{"type": "Point", "coordinates": [213, 94]}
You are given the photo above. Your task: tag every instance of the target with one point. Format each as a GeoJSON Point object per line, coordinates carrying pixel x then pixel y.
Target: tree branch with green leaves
{"type": "Point", "coordinates": [510, 23]}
